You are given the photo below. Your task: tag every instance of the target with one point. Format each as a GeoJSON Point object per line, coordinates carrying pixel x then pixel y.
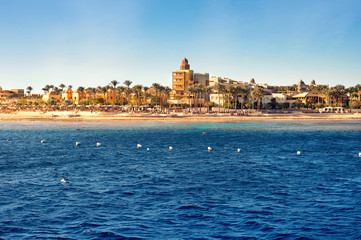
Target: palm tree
{"type": "Point", "coordinates": [93, 91]}
{"type": "Point", "coordinates": [358, 90]}
{"type": "Point", "coordinates": [157, 87]}
{"type": "Point", "coordinates": [165, 94]}
{"type": "Point", "coordinates": [337, 93]}
{"type": "Point", "coordinates": [228, 90]}
{"type": "Point", "coordinates": [45, 89]}
{"type": "Point", "coordinates": [352, 92]}
{"type": "Point", "coordinates": [81, 91]}
{"type": "Point", "coordinates": [257, 93]}
{"type": "Point", "coordinates": [196, 91]}
{"type": "Point", "coordinates": [62, 86]}
{"type": "Point", "coordinates": [207, 91]}
{"type": "Point", "coordinates": [244, 92]}
{"type": "Point", "coordinates": [137, 89]}
{"type": "Point", "coordinates": [190, 90]}
{"type": "Point", "coordinates": [120, 90]}
{"type": "Point", "coordinates": [114, 84]}
{"type": "Point", "coordinates": [56, 90]}
{"type": "Point", "coordinates": [236, 91]}
{"type": "Point", "coordinates": [145, 94]}
{"type": "Point", "coordinates": [127, 83]}
{"type": "Point", "coordinates": [200, 91]}
{"type": "Point", "coordinates": [104, 90]}
{"type": "Point", "coordinates": [29, 89]}
{"type": "Point", "coordinates": [219, 89]}
{"type": "Point", "coordinates": [325, 93]}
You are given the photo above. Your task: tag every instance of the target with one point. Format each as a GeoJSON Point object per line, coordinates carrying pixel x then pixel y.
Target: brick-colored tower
{"type": "Point", "coordinates": [181, 79]}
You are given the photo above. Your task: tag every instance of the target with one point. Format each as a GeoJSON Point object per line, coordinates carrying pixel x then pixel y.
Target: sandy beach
{"type": "Point", "coordinates": [67, 116]}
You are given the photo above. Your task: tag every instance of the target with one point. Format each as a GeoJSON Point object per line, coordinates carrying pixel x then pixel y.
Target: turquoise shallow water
{"type": "Point", "coordinates": [119, 191]}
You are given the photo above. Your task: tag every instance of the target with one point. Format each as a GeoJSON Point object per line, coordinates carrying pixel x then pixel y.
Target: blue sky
{"type": "Point", "coordinates": [91, 42]}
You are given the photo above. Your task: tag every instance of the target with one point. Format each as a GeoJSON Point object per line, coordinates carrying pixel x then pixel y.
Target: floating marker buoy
{"type": "Point", "coordinates": [8, 140]}
{"type": "Point", "coordinates": [77, 144]}
{"type": "Point", "coordinates": [139, 146]}
{"type": "Point", "coordinates": [42, 141]}
{"type": "Point", "coordinates": [204, 132]}
{"type": "Point", "coordinates": [298, 152]}
{"type": "Point", "coordinates": [98, 144]}
{"type": "Point", "coordinates": [238, 150]}
{"type": "Point", "coordinates": [170, 148]}
{"type": "Point", "coordinates": [147, 149]}
{"type": "Point", "coordinates": [63, 180]}
{"type": "Point", "coordinates": [359, 154]}
{"type": "Point", "coordinates": [209, 149]}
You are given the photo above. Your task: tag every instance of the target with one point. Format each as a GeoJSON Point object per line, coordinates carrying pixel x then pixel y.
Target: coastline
{"type": "Point", "coordinates": [98, 117]}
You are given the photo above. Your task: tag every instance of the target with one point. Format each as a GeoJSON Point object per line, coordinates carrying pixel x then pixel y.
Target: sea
{"type": "Point", "coordinates": [239, 180]}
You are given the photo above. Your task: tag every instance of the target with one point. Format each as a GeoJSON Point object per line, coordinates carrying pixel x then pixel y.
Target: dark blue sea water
{"type": "Point", "coordinates": [119, 191]}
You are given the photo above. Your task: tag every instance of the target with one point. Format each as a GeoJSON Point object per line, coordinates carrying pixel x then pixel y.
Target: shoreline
{"type": "Point", "coordinates": [113, 118]}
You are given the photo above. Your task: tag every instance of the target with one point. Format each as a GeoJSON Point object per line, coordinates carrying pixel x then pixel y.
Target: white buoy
{"type": "Point", "coordinates": [77, 144]}
{"type": "Point", "coordinates": [170, 148]}
{"type": "Point", "coordinates": [8, 140]}
{"type": "Point", "coordinates": [139, 146]}
{"type": "Point", "coordinates": [147, 149]}
{"type": "Point", "coordinates": [359, 154]}
{"type": "Point", "coordinates": [298, 152]}
{"type": "Point", "coordinates": [42, 141]}
{"type": "Point", "coordinates": [209, 149]}
{"type": "Point", "coordinates": [63, 180]}
{"type": "Point", "coordinates": [239, 150]}
{"type": "Point", "coordinates": [99, 144]}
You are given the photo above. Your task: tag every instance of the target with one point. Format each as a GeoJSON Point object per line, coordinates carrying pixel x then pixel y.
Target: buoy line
{"type": "Point", "coordinates": [209, 149]}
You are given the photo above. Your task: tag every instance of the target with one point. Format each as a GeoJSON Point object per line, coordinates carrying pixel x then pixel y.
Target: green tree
{"type": "Point", "coordinates": [114, 84]}
{"type": "Point", "coordinates": [29, 89]}
{"type": "Point", "coordinates": [207, 91]}
{"type": "Point", "coordinates": [137, 90]}
{"type": "Point", "coordinates": [62, 86]}
{"type": "Point", "coordinates": [229, 92]}
{"type": "Point", "coordinates": [337, 93]}
{"type": "Point", "coordinates": [244, 92]}
{"type": "Point", "coordinates": [145, 95]}
{"type": "Point", "coordinates": [45, 89]}
{"type": "Point", "coordinates": [190, 90]}
{"type": "Point", "coordinates": [127, 91]}
{"type": "Point", "coordinates": [157, 87]}
{"type": "Point", "coordinates": [120, 90]}
{"type": "Point", "coordinates": [165, 95]}
{"type": "Point", "coordinates": [257, 93]}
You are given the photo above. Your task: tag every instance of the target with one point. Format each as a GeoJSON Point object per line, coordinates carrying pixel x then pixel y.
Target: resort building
{"type": "Point", "coordinates": [213, 80]}
{"type": "Point", "coordinates": [279, 97]}
{"type": "Point", "coordinates": [77, 96]}
{"type": "Point", "coordinates": [13, 93]}
{"type": "Point", "coordinates": [217, 99]}
{"type": "Point", "coordinates": [18, 92]}
{"type": "Point", "coordinates": [307, 98]}
{"type": "Point", "coordinates": [67, 94]}
{"type": "Point", "coordinates": [51, 95]}
{"type": "Point", "coordinates": [181, 79]}
{"type": "Point", "coordinates": [201, 78]}
{"type": "Point", "coordinates": [224, 81]}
